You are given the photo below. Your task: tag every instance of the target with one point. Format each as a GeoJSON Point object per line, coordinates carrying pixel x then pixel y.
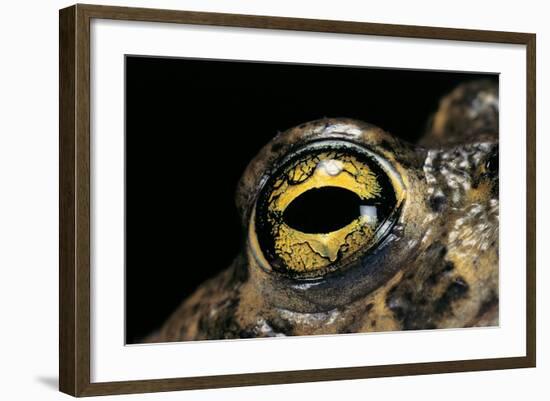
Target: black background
{"type": "Point", "coordinates": [192, 126]}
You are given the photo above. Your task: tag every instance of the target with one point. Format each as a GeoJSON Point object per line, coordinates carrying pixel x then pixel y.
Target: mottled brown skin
{"type": "Point", "coordinates": [437, 268]}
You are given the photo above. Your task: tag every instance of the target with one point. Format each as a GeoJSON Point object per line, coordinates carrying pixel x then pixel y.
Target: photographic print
{"type": "Point", "coordinates": [323, 194]}
{"type": "Point", "coordinates": [277, 199]}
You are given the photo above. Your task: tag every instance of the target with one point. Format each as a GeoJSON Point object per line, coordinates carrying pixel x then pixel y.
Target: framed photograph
{"type": "Point", "coordinates": [250, 200]}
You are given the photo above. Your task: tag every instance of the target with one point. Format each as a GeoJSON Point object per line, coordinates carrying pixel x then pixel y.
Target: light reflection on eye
{"type": "Point", "coordinates": [369, 212]}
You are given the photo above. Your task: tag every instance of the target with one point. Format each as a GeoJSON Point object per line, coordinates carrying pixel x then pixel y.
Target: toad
{"type": "Point", "coordinates": [349, 229]}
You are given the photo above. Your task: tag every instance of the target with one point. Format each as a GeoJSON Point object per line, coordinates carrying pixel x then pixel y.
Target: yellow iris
{"type": "Point", "coordinates": [306, 252]}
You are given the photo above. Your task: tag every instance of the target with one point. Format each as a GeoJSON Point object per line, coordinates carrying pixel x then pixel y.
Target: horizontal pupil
{"type": "Point", "coordinates": [323, 210]}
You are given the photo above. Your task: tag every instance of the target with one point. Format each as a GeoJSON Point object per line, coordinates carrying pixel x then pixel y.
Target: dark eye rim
{"type": "Point", "coordinates": [381, 232]}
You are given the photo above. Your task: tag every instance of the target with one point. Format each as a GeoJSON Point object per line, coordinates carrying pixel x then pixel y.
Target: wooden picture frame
{"type": "Point", "coordinates": [74, 175]}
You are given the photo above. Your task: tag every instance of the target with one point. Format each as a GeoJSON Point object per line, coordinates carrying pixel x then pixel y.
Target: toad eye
{"type": "Point", "coordinates": [325, 204]}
